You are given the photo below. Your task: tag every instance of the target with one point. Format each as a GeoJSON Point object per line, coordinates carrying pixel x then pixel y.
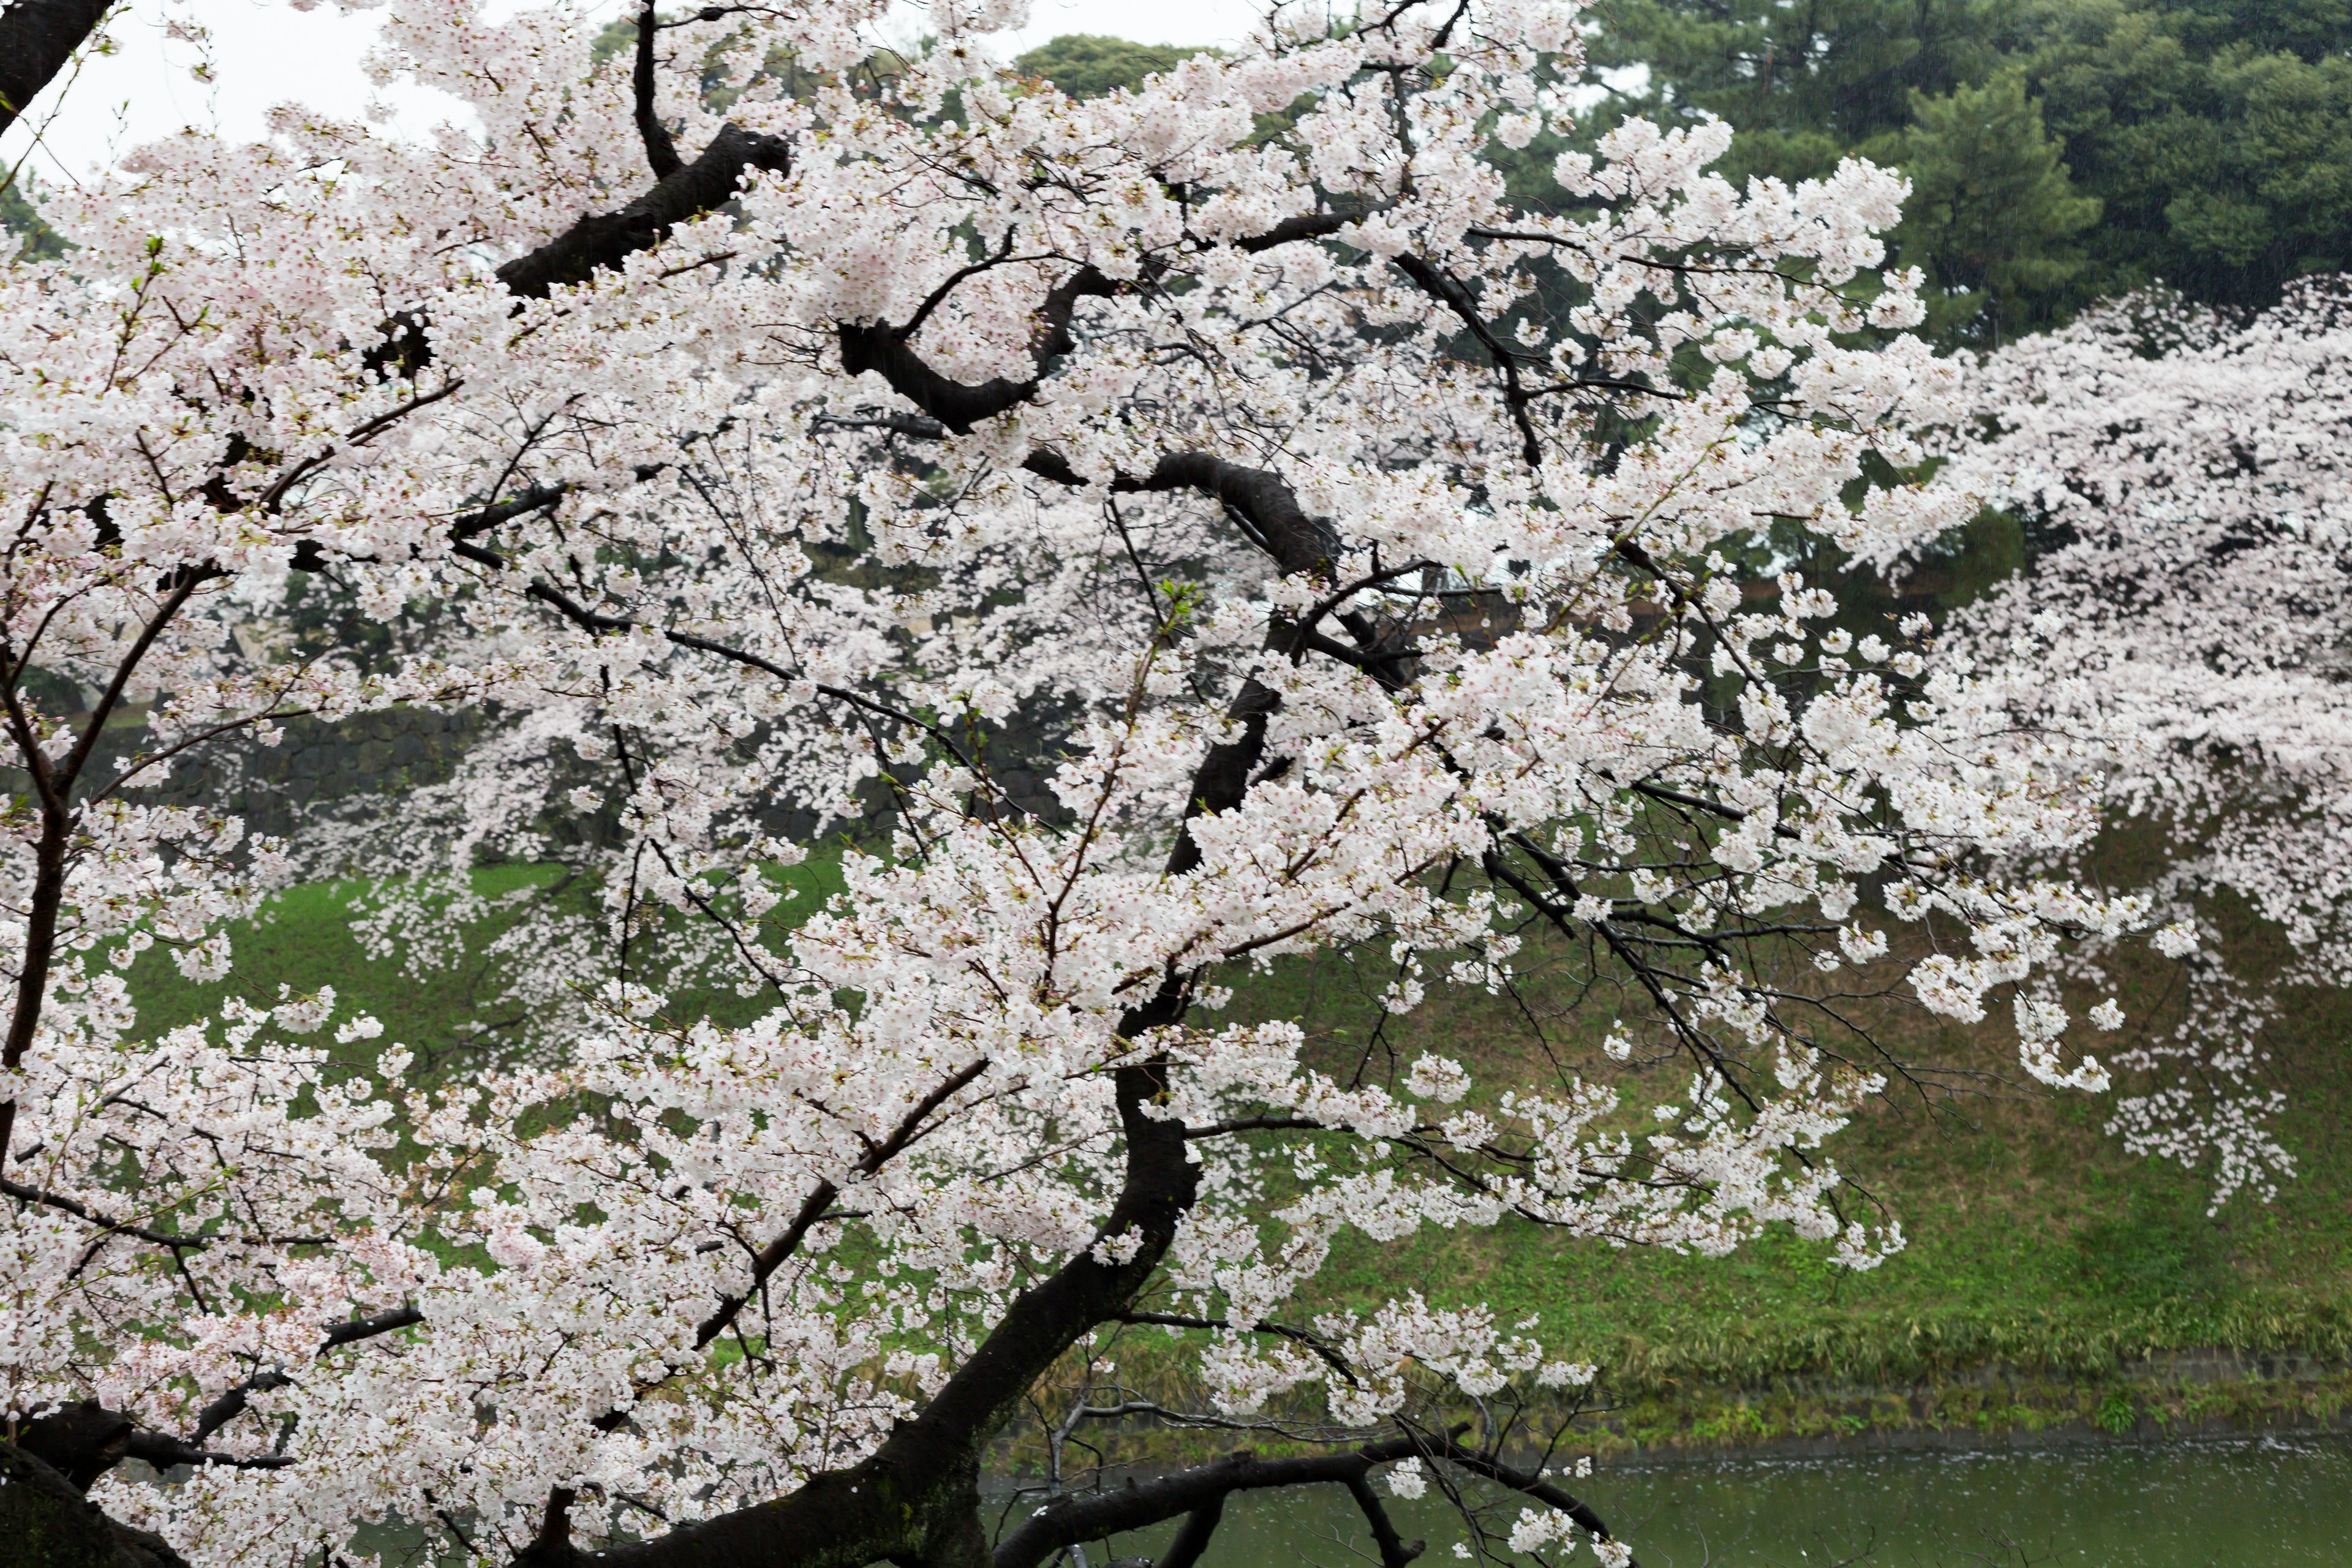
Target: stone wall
{"type": "Point", "coordinates": [391, 752]}
{"type": "Point", "coordinates": [387, 754]}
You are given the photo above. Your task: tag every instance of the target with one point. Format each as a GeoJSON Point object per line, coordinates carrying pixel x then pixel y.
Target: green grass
{"type": "Point", "coordinates": [302, 938]}
{"type": "Point", "coordinates": [2036, 1242]}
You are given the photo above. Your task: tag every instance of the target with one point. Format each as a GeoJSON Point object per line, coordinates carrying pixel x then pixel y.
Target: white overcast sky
{"type": "Point", "coordinates": [265, 52]}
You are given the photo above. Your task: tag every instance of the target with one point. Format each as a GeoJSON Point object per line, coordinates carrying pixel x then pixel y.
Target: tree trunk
{"type": "Point", "coordinates": [45, 1522]}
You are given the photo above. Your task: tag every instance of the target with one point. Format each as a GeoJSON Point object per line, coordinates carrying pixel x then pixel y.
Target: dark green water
{"type": "Point", "coordinates": [2240, 1503]}
{"type": "Point", "coordinates": [2254, 1502]}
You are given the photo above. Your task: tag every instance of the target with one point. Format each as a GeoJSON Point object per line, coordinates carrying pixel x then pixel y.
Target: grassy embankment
{"type": "Point", "coordinates": [2050, 1279]}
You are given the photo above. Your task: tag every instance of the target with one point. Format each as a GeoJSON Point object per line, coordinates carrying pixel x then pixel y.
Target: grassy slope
{"type": "Point", "coordinates": [2036, 1241]}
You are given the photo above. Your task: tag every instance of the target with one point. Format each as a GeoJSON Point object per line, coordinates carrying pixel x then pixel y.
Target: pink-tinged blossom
{"type": "Point", "coordinates": [1361, 629]}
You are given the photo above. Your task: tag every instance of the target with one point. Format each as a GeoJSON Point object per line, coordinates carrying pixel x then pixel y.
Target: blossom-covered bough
{"type": "Point", "coordinates": [2188, 471]}
{"type": "Point", "coordinates": [899, 396]}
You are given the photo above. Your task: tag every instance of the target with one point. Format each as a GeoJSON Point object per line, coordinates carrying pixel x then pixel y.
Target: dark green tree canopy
{"type": "Point", "coordinates": [20, 217]}
{"type": "Point", "coordinates": [1084, 65]}
{"type": "Point", "coordinates": [2064, 150]}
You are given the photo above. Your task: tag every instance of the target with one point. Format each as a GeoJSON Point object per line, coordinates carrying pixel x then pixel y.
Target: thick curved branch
{"type": "Point", "coordinates": [957, 406]}
{"type": "Point", "coordinates": [1261, 499]}
{"type": "Point", "coordinates": [43, 1512]}
{"type": "Point", "coordinates": [1091, 1516]}
{"type": "Point", "coordinates": [1193, 1536]}
{"type": "Point", "coordinates": [36, 39]}
{"type": "Point", "coordinates": [661, 152]}
{"type": "Point", "coordinates": [883, 349]}
{"type": "Point", "coordinates": [84, 1441]}
{"type": "Point", "coordinates": [607, 239]}
{"type": "Point", "coordinates": [1299, 545]}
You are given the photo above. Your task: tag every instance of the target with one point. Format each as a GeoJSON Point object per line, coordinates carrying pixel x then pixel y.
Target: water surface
{"type": "Point", "coordinates": [2253, 1502]}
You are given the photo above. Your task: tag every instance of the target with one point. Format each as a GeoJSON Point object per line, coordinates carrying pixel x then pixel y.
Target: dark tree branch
{"type": "Point", "coordinates": [1447, 290]}
{"type": "Point", "coordinates": [1069, 1521]}
{"type": "Point", "coordinates": [1322, 1349]}
{"type": "Point", "coordinates": [36, 39]}
{"type": "Point", "coordinates": [606, 239]}
{"type": "Point", "coordinates": [882, 348]}
{"type": "Point", "coordinates": [661, 152]}
{"type": "Point", "coordinates": [1091, 1516]}
{"type": "Point", "coordinates": [771, 1256]}
{"type": "Point", "coordinates": [1262, 498]}
{"type": "Point", "coordinates": [916, 1498]}
{"type": "Point", "coordinates": [538, 498]}
{"type": "Point", "coordinates": [956, 406]}
{"type": "Point", "coordinates": [1300, 545]}
{"type": "Point", "coordinates": [937, 297]}
{"type": "Point", "coordinates": [1305, 225]}
{"type": "Point", "coordinates": [42, 1512]}
{"type": "Point", "coordinates": [232, 1404]}
{"type": "Point", "coordinates": [84, 1440]}
{"type": "Point", "coordinates": [164, 1452]}
{"type": "Point", "coordinates": [1193, 1535]}
{"type": "Point", "coordinates": [81, 1211]}
{"type": "Point", "coordinates": [590, 620]}
{"type": "Point", "coordinates": [220, 1412]}
{"type": "Point", "coordinates": [1395, 1550]}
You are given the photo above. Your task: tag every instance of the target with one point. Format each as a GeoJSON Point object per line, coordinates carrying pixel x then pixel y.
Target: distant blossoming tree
{"type": "Point", "coordinates": [771, 456]}
{"type": "Point", "coordinates": [2190, 473]}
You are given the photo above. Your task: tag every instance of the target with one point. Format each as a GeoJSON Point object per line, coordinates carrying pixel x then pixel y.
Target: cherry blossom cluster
{"type": "Point", "coordinates": [2185, 477]}
{"type": "Point", "coordinates": [731, 454]}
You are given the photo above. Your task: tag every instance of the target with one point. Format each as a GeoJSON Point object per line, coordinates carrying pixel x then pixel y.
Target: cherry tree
{"type": "Point", "coordinates": [2189, 472]}
{"type": "Point", "coordinates": [767, 443]}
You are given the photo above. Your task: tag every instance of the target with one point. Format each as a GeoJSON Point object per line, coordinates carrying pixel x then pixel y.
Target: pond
{"type": "Point", "coordinates": [2250, 1502]}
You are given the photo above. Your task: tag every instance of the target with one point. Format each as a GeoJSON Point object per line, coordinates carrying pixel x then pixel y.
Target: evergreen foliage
{"type": "Point", "coordinates": [2062, 150]}
{"type": "Point", "coordinates": [19, 217]}
{"type": "Point", "coordinates": [1086, 65]}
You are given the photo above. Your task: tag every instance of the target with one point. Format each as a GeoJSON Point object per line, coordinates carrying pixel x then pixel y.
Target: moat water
{"type": "Point", "coordinates": [2242, 1502]}
{"type": "Point", "coordinates": [2251, 1503]}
